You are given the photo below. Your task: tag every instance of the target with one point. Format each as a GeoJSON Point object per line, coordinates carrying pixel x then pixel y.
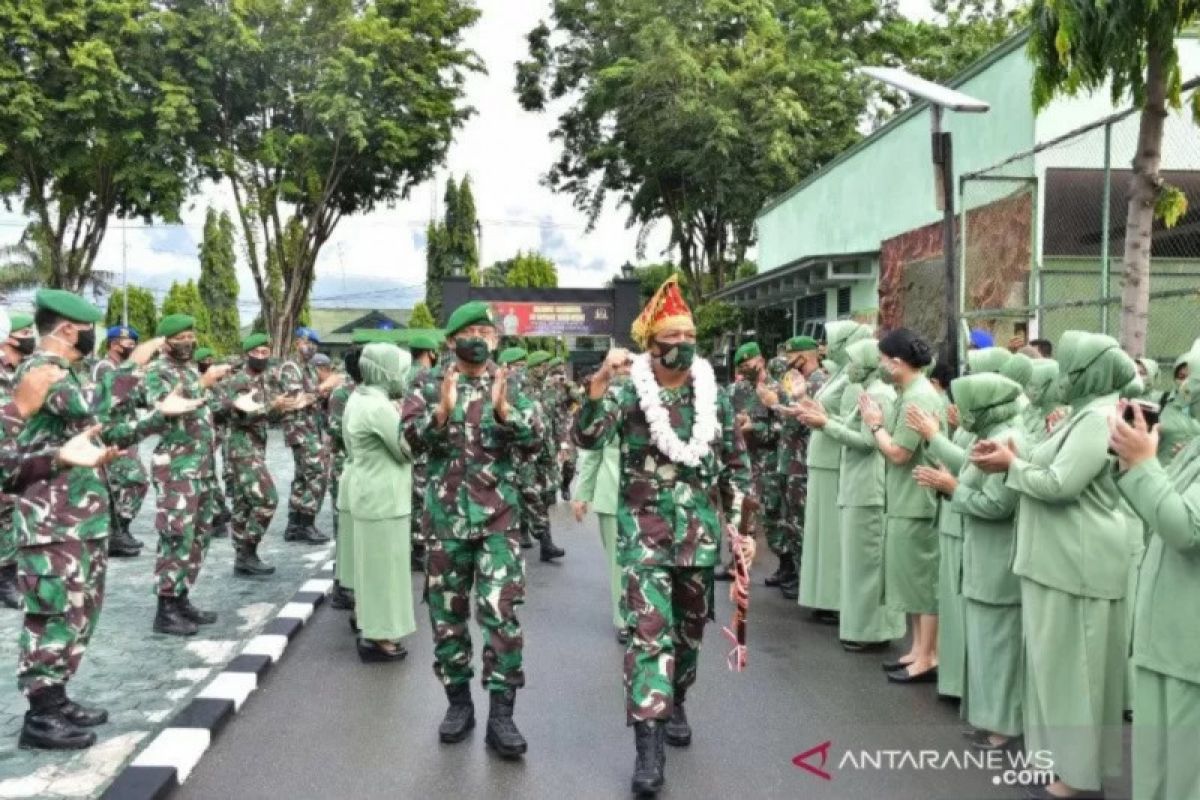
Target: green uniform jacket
{"type": "Point", "coordinates": [600, 477]}
{"type": "Point", "coordinates": [988, 508]}
{"type": "Point", "coordinates": [1070, 534]}
{"type": "Point", "coordinates": [371, 429]}
{"type": "Point", "coordinates": [1168, 592]}
{"type": "Point", "coordinates": [861, 483]}
{"type": "Point", "coordinates": [823, 452]}
{"type": "Point", "coordinates": [906, 499]}
{"type": "Point", "coordinates": [951, 451]}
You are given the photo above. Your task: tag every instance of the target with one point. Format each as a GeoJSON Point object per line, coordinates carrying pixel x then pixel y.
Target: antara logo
{"type": "Point", "coordinates": [803, 760]}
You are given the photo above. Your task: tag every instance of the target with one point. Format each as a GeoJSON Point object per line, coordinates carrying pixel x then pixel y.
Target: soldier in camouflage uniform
{"type": "Point", "coordinates": [254, 495]}
{"type": "Point", "coordinates": [462, 416]}
{"type": "Point", "coordinates": [544, 472]}
{"type": "Point", "coordinates": [676, 496]}
{"type": "Point", "coordinates": [803, 378]}
{"type": "Point", "coordinates": [205, 358]}
{"type": "Point", "coordinates": [20, 344]}
{"type": "Point", "coordinates": [184, 471]}
{"type": "Point", "coordinates": [309, 443]}
{"type": "Point", "coordinates": [63, 521]}
{"type": "Point", "coordinates": [756, 398]}
{"type": "Point", "coordinates": [566, 401]}
{"type": "Point", "coordinates": [424, 351]}
{"type": "Point", "coordinates": [778, 365]}
{"type": "Point", "coordinates": [334, 412]}
{"type": "Point", "coordinates": [127, 479]}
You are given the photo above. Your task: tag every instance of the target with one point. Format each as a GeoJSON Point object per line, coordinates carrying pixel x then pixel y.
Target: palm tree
{"type": "Point", "coordinates": [26, 265]}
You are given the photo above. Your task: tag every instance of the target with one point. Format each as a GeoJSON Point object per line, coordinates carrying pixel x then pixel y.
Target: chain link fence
{"type": "Point", "coordinates": [1043, 238]}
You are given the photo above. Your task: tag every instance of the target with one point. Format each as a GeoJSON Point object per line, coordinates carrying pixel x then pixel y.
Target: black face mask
{"type": "Point", "coordinates": [125, 352]}
{"type": "Point", "coordinates": [257, 364]}
{"type": "Point", "coordinates": [204, 367]}
{"type": "Point", "coordinates": [26, 345]}
{"type": "Point", "coordinates": [182, 351]}
{"type": "Point", "coordinates": [86, 343]}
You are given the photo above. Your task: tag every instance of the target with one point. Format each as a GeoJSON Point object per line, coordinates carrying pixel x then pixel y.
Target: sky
{"type": "Point", "coordinates": [377, 260]}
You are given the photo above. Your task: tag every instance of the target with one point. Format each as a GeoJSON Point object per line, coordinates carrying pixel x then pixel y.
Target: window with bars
{"type": "Point", "coordinates": [843, 301]}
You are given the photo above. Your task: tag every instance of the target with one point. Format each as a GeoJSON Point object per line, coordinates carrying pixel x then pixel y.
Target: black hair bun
{"type": "Point", "coordinates": [908, 347]}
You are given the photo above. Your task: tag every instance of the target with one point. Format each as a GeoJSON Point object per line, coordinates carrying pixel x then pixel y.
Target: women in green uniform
{"type": "Point", "coordinates": [343, 553]}
{"type": "Point", "coordinates": [820, 568]}
{"type": "Point", "coordinates": [1166, 650]}
{"type": "Point", "coordinates": [867, 624]}
{"type": "Point", "coordinates": [1043, 393]}
{"type": "Point", "coordinates": [380, 503]}
{"type": "Point", "coordinates": [1178, 424]}
{"type": "Point", "coordinates": [910, 538]}
{"type": "Point", "coordinates": [1072, 556]}
{"type": "Point", "coordinates": [988, 407]}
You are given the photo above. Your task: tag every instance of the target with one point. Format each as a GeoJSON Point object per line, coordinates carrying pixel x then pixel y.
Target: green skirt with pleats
{"type": "Point", "coordinates": [1074, 682]}
{"type": "Point", "coordinates": [383, 600]}
{"type": "Point", "coordinates": [864, 617]}
{"type": "Point", "coordinates": [951, 641]}
{"type": "Point", "coordinates": [994, 689]}
{"type": "Point", "coordinates": [821, 562]}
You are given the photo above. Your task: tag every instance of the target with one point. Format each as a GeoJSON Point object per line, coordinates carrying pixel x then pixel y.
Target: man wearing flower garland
{"type": "Point", "coordinates": [685, 472]}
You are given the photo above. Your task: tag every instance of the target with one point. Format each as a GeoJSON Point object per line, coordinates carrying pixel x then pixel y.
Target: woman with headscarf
{"type": "Point", "coordinates": [820, 566]}
{"type": "Point", "coordinates": [866, 623]}
{"type": "Point", "coordinates": [988, 407]}
{"type": "Point", "coordinates": [1180, 420]}
{"type": "Point", "coordinates": [1043, 393]}
{"type": "Point", "coordinates": [1072, 556]}
{"type": "Point", "coordinates": [1166, 650]}
{"type": "Point", "coordinates": [910, 530]}
{"type": "Point", "coordinates": [380, 503]}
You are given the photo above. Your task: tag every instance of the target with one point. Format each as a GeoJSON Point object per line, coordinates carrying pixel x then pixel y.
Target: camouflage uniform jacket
{"type": "Point", "coordinates": [188, 445]}
{"type": "Point", "coordinates": [668, 514]}
{"type": "Point", "coordinates": [248, 432]}
{"type": "Point", "coordinates": [336, 409]}
{"type": "Point", "coordinates": [762, 440]}
{"type": "Point", "coordinates": [127, 412]}
{"type": "Point", "coordinates": [471, 464]}
{"type": "Point", "coordinates": [7, 373]}
{"type": "Point", "coordinates": [794, 435]}
{"type": "Point", "coordinates": [73, 503]}
{"type": "Point", "coordinates": [17, 469]}
{"type": "Point", "coordinates": [420, 463]}
{"type": "Point", "coordinates": [294, 376]}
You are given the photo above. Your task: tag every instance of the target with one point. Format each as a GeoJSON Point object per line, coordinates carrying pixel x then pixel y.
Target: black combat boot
{"type": "Point", "coordinates": [301, 529]}
{"type": "Point", "coordinates": [651, 758]}
{"type": "Point", "coordinates": [170, 618]}
{"type": "Point", "coordinates": [342, 598]}
{"type": "Point", "coordinates": [460, 716]}
{"type": "Point", "coordinates": [121, 543]}
{"type": "Point", "coordinates": [194, 614]}
{"type": "Point", "coordinates": [83, 716]}
{"type": "Point", "coordinates": [526, 539]}
{"type": "Point", "coordinates": [247, 562]}
{"type": "Point", "coordinates": [783, 574]}
{"type": "Point", "coordinates": [294, 531]}
{"type": "Point", "coordinates": [678, 731]}
{"type": "Point", "coordinates": [314, 533]}
{"type": "Point", "coordinates": [549, 550]}
{"type": "Point", "coordinates": [791, 589]}
{"type": "Point", "coordinates": [10, 595]}
{"type": "Point", "coordinates": [46, 728]}
{"type": "Point", "coordinates": [418, 556]}
{"type": "Point", "coordinates": [502, 734]}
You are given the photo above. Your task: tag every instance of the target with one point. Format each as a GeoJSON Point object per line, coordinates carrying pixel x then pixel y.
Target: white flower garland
{"type": "Point", "coordinates": [704, 431]}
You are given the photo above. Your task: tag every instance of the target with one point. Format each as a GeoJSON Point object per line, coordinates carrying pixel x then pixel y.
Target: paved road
{"type": "Point", "coordinates": [325, 725]}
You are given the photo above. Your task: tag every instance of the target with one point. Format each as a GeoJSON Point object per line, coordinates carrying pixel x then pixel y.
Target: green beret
{"type": "Point", "coordinates": [475, 312]}
{"type": "Point", "coordinates": [799, 344]}
{"type": "Point", "coordinates": [175, 323]}
{"type": "Point", "coordinates": [422, 341]}
{"type": "Point", "coordinates": [254, 340]}
{"type": "Point", "coordinates": [20, 321]}
{"type": "Point", "coordinates": [746, 352]}
{"type": "Point", "coordinates": [365, 336]}
{"type": "Point", "coordinates": [203, 353]}
{"type": "Point", "coordinates": [512, 355]}
{"type": "Point", "coordinates": [537, 358]}
{"type": "Point", "coordinates": [67, 305]}
{"type": "Point", "coordinates": [555, 361]}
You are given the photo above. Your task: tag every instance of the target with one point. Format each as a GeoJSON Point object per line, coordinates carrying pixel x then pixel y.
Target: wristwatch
{"type": "Point", "coordinates": [875, 428]}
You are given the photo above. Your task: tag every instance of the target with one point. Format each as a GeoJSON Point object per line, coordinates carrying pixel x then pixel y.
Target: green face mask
{"type": "Point", "coordinates": [887, 376]}
{"type": "Point", "coordinates": [856, 373]}
{"type": "Point", "coordinates": [678, 357]}
{"type": "Point", "coordinates": [472, 349]}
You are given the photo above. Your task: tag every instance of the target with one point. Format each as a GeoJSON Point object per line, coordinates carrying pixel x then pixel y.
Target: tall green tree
{"type": "Point", "coordinates": [1129, 46]}
{"type": "Point", "coordinates": [142, 313]}
{"type": "Point", "coordinates": [694, 112]}
{"type": "Point", "coordinates": [28, 264]}
{"type": "Point", "coordinates": [421, 317]}
{"type": "Point", "coordinates": [450, 243]}
{"type": "Point", "coordinates": [315, 110]}
{"type": "Point", "coordinates": [94, 123]}
{"type": "Point", "coordinates": [529, 271]}
{"type": "Point", "coordinates": [184, 298]}
{"type": "Point", "coordinates": [218, 283]}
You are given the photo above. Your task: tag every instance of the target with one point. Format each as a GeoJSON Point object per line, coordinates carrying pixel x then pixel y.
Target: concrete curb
{"type": "Point", "coordinates": [171, 756]}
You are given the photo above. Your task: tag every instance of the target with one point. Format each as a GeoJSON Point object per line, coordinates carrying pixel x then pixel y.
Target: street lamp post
{"type": "Point", "coordinates": [940, 98]}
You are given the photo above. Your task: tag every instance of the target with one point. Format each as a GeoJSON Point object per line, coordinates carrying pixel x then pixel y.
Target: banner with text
{"type": "Point", "coordinates": [552, 319]}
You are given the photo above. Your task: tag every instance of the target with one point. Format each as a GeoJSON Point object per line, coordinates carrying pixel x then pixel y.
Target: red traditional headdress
{"type": "Point", "coordinates": [666, 310]}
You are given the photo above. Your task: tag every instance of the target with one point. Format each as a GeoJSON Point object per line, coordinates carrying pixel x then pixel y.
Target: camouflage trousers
{"type": "Point", "coordinates": [493, 566]}
{"type": "Point", "coordinates": [335, 478]}
{"type": "Point", "coordinates": [549, 483]}
{"type": "Point", "coordinates": [666, 609]}
{"type": "Point", "coordinates": [228, 498]}
{"type": "Point", "coordinates": [127, 484]}
{"type": "Point", "coordinates": [314, 465]}
{"type": "Point", "coordinates": [768, 485]}
{"type": "Point", "coordinates": [8, 530]}
{"type": "Point", "coordinates": [63, 584]}
{"type": "Point", "coordinates": [795, 497]}
{"type": "Point", "coordinates": [186, 510]}
{"type": "Point", "coordinates": [420, 523]}
{"type": "Point", "coordinates": [254, 497]}
{"type": "Point", "coordinates": [535, 516]}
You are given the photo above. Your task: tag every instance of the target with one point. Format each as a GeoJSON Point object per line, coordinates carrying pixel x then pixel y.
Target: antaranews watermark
{"type": "Point", "coordinates": [1008, 768]}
